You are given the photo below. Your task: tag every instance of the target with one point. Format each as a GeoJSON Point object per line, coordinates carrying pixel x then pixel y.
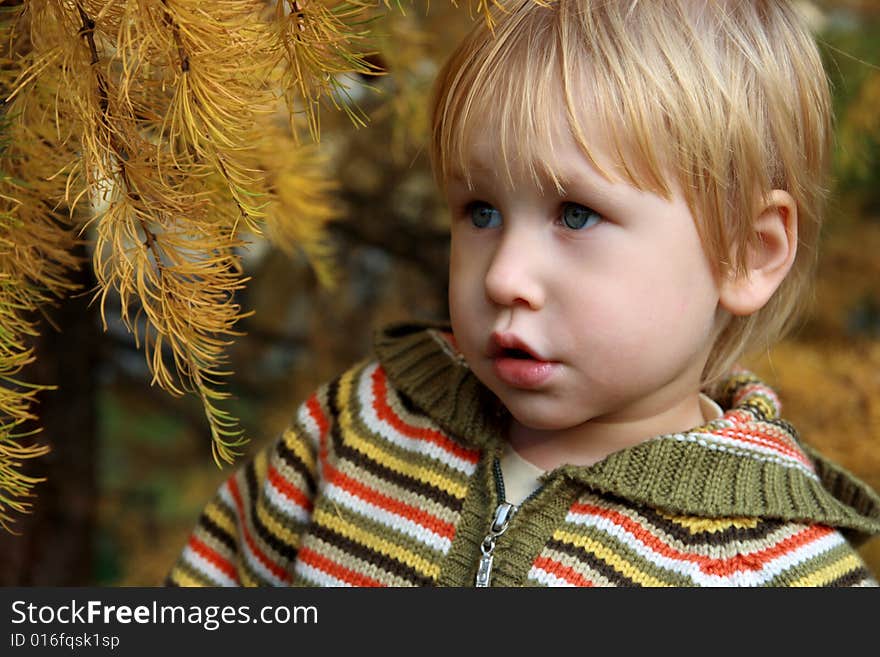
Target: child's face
{"type": "Point", "coordinates": [607, 287]}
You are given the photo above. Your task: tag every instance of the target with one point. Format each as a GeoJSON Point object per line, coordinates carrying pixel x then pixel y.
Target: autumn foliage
{"type": "Point", "coordinates": [170, 136]}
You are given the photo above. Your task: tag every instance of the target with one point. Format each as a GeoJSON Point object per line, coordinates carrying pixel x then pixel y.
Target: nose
{"type": "Point", "coordinates": [513, 277]}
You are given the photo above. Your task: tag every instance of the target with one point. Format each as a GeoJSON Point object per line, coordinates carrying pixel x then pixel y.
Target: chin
{"type": "Point", "coordinates": [543, 419]}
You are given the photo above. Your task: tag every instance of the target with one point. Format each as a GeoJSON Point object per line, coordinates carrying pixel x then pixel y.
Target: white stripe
{"type": "Point", "coordinates": [389, 433]}
{"type": "Point", "coordinates": [388, 518]}
{"type": "Point", "coordinates": [226, 496]}
{"type": "Point", "coordinates": [767, 572]}
{"type": "Point", "coordinates": [782, 444]}
{"type": "Point", "coordinates": [731, 446]}
{"type": "Point", "coordinates": [317, 576]}
{"type": "Point", "coordinates": [250, 557]}
{"type": "Point", "coordinates": [310, 425]}
{"type": "Point", "coordinates": [740, 438]}
{"type": "Point", "coordinates": [284, 504]}
{"type": "Point", "coordinates": [312, 433]}
{"type": "Point", "coordinates": [206, 568]}
{"type": "Point", "coordinates": [548, 579]}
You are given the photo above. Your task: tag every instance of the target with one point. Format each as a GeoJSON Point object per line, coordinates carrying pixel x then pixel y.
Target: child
{"type": "Point", "coordinates": [636, 193]}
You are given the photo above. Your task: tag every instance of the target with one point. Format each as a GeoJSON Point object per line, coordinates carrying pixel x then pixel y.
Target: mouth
{"type": "Point", "coordinates": [517, 364]}
{"type": "Point", "coordinates": [508, 345]}
{"type": "Point", "coordinates": [516, 354]}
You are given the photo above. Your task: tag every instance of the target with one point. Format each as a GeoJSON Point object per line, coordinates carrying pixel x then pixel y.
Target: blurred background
{"type": "Point", "coordinates": [131, 468]}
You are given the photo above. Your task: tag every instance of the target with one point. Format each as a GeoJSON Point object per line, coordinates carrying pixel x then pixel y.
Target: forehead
{"type": "Point", "coordinates": [554, 149]}
{"type": "Point", "coordinates": [508, 103]}
{"type": "Point", "coordinates": [551, 162]}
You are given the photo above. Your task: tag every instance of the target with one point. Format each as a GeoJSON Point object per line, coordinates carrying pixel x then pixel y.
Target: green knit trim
{"type": "Point", "coordinates": [460, 565]}
{"type": "Point", "coordinates": [544, 513]}
{"type": "Point", "coordinates": [533, 526]}
{"type": "Point", "coordinates": [671, 475]}
{"type": "Point", "coordinates": [851, 491]}
{"type": "Point", "coordinates": [687, 478]}
{"type": "Point", "coordinates": [420, 365]}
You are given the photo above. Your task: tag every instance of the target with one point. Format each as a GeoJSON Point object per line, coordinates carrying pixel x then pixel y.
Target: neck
{"type": "Point", "coordinates": [592, 441]}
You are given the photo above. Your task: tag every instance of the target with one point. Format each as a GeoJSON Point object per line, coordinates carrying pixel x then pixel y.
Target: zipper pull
{"type": "Point", "coordinates": [503, 513]}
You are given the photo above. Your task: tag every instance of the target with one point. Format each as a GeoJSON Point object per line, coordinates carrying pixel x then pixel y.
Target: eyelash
{"type": "Point", "coordinates": [469, 207]}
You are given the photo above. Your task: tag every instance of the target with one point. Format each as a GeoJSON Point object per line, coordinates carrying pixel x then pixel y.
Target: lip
{"type": "Point", "coordinates": [499, 342]}
{"type": "Point", "coordinates": [523, 373]}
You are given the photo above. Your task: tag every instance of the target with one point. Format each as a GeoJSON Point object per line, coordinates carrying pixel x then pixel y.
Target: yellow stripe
{"type": "Point", "coordinates": [830, 572]}
{"type": "Point", "coordinates": [613, 558]}
{"type": "Point", "coordinates": [183, 578]}
{"type": "Point", "coordinates": [261, 463]}
{"type": "Point", "coordinates": [279, 531]}
{"type": "Point", "coordinates": [222, 520]}
{"type": "Point", "coordinates": [244, 576]}
{"type": "Point", "coordinates": [696, 524]}
{"type": "Point", "coordinates": [297, 444]}
{"type": "Point", "coordinates": [350, 436]}
{"type": "Point", "coordinates": [373, 542]}
{"type": "Point", "coordinates": [420, 473]}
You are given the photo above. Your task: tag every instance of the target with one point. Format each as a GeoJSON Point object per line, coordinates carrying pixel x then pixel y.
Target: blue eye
{"type": "Point", "coordinates": [483, 215]}
{"type": "Point", "coordinates": [578, 217]}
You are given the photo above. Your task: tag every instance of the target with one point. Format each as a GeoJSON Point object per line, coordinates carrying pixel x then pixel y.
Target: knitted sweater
{"type": "Point", "coordinates": [388, 476]}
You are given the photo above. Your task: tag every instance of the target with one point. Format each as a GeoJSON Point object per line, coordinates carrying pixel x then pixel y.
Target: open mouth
{"type": "Point", "coordinates": [518, 354]}
{"type": "Point", "coordinates": [516, 364]}
{"type": "Point", "coordinates": [508, 346]}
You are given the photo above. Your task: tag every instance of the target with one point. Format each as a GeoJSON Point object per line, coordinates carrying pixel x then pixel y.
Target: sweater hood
{"type": "Point", "coordinates": [748, 463]}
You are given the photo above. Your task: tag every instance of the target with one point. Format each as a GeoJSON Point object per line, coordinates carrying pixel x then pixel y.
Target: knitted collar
{"type": "Point", "coordinates": [747, 463]}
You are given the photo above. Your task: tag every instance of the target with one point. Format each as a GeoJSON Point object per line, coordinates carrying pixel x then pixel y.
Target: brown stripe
{"type": "Point", "coordinates": [379, 470]}
{"type": "Point", "coordinates": [215, 531]}
{"type": "Point", "coordinates": [850, 578]}
{"type": "Point", "coordinates": [182, 566]}
{"type": "Point", "coordinates": [721, 537]}
{"type": "Point", "coordinates": [591, 560]}
{"type": "Point", "coordinates": [362, 552]}
{"type": "Point", "coordinates": [281, 548]}
{"type": "Point", "coordinates": [296, 463]}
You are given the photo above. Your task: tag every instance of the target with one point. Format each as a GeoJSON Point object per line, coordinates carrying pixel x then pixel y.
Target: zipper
{"type": "Point", "coordinates": [504, 513]}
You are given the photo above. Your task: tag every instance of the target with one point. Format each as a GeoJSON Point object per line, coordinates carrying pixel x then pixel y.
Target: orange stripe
{"type": "Point", "coordinates": [710, 566]}
{"type": "Point", "coordinates": [213, 557]}
{"type": "Point", "coordinates": [776, 444]}
{"type": "Point", "coordinates": [385, 413]}
{"type": "Point", "coordinates": [757, 560]}
{"type": "Point", "coordinates": [743, 418]}
{"type": "Point", "coordinates": [288, 490]}
{"type": "Point", "coordinates": [317, 415]}
{"type": "Point", "coordinates": [419, 516]}
{"type": "Point", "coordinates": [340, 572]}
{"type": "Point", "coordinates": [562, 571]}
{"type": "Point", "coordinates": [271, 566]}
{"type": "Point", "coordinates": [323, 425]}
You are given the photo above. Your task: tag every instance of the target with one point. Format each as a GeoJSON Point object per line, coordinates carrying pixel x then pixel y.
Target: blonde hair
{"type": "Point", "coordinates": [729, 97]}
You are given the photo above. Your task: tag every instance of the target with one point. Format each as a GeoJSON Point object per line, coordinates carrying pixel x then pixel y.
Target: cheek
{"type": "Point", "coordinates": [466, 292]}
{"type": "Point", "coordinates": [644, 311]}
{"type": "Point", "coordinates": [461, 278]}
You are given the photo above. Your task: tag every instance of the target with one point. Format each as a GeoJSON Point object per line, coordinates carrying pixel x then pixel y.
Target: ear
{"type": "Point", "coordinates": [769, 261]}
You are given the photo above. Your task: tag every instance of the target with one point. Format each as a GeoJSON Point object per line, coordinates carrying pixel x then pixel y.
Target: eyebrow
{"type": "Point", "coordinates": [574, 181]}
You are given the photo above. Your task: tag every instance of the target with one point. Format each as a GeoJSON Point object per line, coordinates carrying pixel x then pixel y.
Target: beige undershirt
{"type": "Point", "coordinates": [521, 476]}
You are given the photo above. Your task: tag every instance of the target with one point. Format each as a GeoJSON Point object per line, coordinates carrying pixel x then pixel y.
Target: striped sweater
{"type": "Point", "coordinates": [388, 476]}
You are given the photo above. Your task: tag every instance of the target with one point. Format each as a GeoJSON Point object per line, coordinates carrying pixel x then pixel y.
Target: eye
{"type": "Point", "coordinates": [578, 217]}
{"type": "Point", "coordinates": [483, 215]}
